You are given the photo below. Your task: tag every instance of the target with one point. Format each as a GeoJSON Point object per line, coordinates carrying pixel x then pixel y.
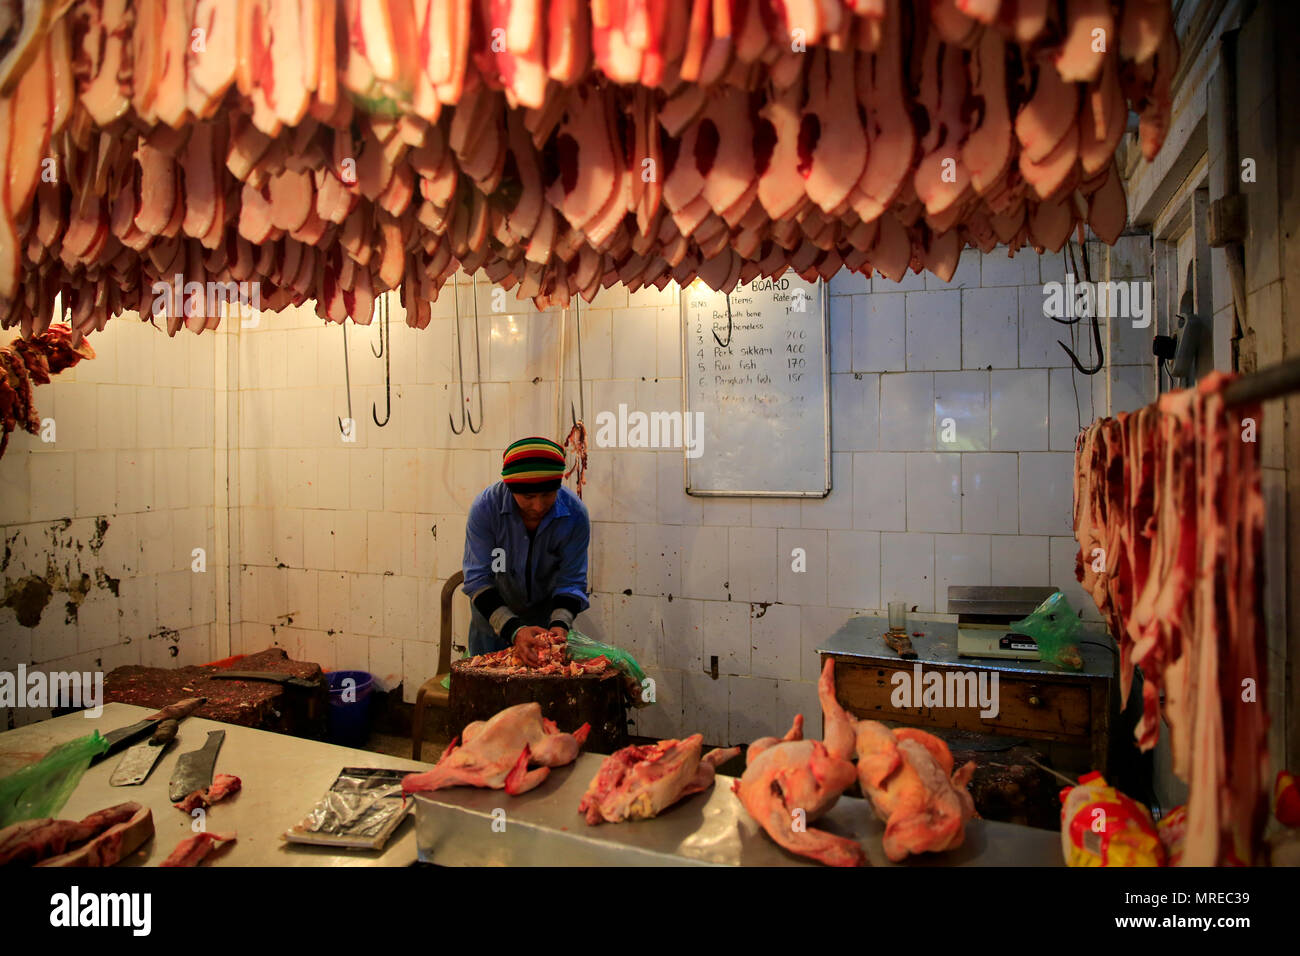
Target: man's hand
{"type": "Point", "coordinates": [528, 642]}
{"type": "Point", "coordinates": [559, 633]}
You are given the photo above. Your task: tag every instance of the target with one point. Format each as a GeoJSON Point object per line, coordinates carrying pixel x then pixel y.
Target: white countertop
{"type": "Point", "coordinates": [282, 777]}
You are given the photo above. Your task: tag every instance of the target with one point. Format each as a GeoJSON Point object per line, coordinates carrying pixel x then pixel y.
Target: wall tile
{"type": "Point", "coordinates": [774, 653]}
{"type": "Point", "coordinates": [704, 571]}
{"type": "Point", "coordinates": [961, 410]}
{"type": "Point", "coordinates": [680, 633]}
{"type": "Point", "coordinates": [999, 268]}
{"type": "Point", "coordinates": [806, 586]}
{"type": "Point", "coordinates": [853, 569]}
{"type": "Point", "coordinates": [879, 333]}
{"type": "Point", "coordinates": [880, 491]}
{"type": "Point", "coordinates": [907, 569]}
{"type": "Point", "coordinates": [836, 509]}
{"type": "Point", "coordinates": [367, 608]}
{"type": "Point", "coordinates": [1019, 410]}
{"type": "Point", "coordinates": [961, 560]}
{"type": "Point", "coordinates": [990, 494]}
{"type": "Point", "coordinates": [704, 708]}
{"type": "Point", "coordinates": [907, 412]}
{"type": "Point", "coordinates": [658, 559]}
{"type": "Point", "coordinates": [1066, 413]}
{"type": "Point", "coordinates": [933, 330]}
{"type": "Point", "coordinates": [752, 561]}
{"type": "Point", "coordinates": [729, 635]}
{"type": "Point", "coordinates": [934, 492]}
{"type": "Point", "coordinates": [1046, 493]}
{"type": "Point", "coordinates": [990, 327]}
{"type": "Point", "coordinates": [855, 411]}
{"type": "Point", "coordinates": [1021, 561]}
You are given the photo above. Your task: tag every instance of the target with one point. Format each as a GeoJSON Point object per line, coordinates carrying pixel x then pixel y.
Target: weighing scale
{"type": "Point", "coordinates": [984, 616]}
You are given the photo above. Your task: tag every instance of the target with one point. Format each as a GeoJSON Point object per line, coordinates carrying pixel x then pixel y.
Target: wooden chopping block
{"type": "Point", "coordinates": [258, 704]}
{"type": "Point", "coordinates": [595, 699]}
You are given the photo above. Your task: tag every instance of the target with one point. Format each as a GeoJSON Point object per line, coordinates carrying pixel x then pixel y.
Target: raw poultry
{"type": "Point", "coordinates": [331, 152]}
{"type": "Point", "coordinates": [909, 777]}
{"type": "Point", "coordinates": [552, 658]}
{"type": "Point", "coordinates": [639, 782]}
{"type": "Point", "coordinates": [496, 753]}
{"type": "Point", "coordinates": [907, 774]}
{"type": "Point", "coordinates": [789, 783]}
{"type": "Point", "coordinates": [1169, 516]}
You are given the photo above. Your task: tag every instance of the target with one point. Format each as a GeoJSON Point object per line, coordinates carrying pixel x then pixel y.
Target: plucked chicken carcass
{"type": "Point", "coordinates": [496, 753]}
{"type": "Point", "coordinates": [784, 777]}
{"type": "Point", "coordinates": [909, 778]}
{"type": "Point", "coordinates": [907, 774]}
{"type": "Point", "coordinates": [638, 782]}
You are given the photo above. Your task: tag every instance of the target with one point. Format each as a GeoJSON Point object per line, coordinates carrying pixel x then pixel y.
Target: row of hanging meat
{"type": "Point", "coordinates": [333, 151]}
{"type": "Point", "coordinates": [1169, 515]}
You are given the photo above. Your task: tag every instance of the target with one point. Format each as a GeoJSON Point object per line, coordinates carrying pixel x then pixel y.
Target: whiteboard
{"type": "Point", "coordinates": [762, 395]}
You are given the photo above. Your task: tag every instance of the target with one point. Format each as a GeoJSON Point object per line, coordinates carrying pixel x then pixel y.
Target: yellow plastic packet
{"type": "Point", "coordinates": [1102, 827]}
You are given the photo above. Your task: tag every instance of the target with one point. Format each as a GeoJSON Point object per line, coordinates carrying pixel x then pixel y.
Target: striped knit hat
{"type": "Point", "coordinates": [533, 465]}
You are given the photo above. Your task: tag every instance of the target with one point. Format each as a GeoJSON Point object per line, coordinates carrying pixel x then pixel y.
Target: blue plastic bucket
{"type": "Point", "coordinates": [349, 714]}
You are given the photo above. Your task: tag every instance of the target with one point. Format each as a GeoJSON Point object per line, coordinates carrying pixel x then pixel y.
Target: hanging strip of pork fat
{"type": "Point", "coordinates": [891, 138]}
{"type": "Point", "coordinates": [942, 177]}
{"type": "Point", "coordinates": [832, 144]}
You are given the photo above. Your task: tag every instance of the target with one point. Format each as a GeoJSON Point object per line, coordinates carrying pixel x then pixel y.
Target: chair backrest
{"type": "Point", "coordinates": [444, 637]}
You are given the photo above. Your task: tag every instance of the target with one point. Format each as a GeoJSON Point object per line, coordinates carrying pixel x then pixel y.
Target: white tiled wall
{"type": "Point", "coordinates": [952, 436]}
{"type": "Point", "coordinates": [119, 499]}
{"type": "Point", "coordinates": [944, 471]}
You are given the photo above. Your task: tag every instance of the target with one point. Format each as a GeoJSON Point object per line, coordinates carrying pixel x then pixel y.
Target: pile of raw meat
{"type": "Point", "coordinates": [330, 152]}
{"type": "Point", "coordinates": [1169, 517]}
{"type": "Point", "coordinates": [26, 363]}
{"type": "Point", "coordinates": [104, 838]}
{"type": "Point", "coordinates": [553, 658]}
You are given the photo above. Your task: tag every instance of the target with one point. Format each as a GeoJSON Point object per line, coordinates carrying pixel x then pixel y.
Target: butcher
{"type": "Point", "coordinates": [525, 553]}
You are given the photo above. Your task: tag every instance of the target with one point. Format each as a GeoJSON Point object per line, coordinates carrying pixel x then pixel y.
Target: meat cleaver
{"type": "Point", "coordinates": [138, 762]}
{"type": "Point", "coordinates": [194, 769]}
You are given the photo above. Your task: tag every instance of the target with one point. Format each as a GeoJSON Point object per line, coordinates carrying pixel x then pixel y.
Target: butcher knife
{"type": "Point", "coordinates": [284, 680]}
{"type": "Point", "coordinates": [124, 736]}
{"type": "Point", "coordinates": [138, 762]}
{"type": "Point", "coordinates": [194, 769]}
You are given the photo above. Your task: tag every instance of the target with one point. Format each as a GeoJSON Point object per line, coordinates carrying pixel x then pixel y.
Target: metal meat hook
{"type": "Point", "coordinates": [1096, 327]}
{"type": "Point", "coordinates": [465, 417]}
{"type": "Point", "coordinates": [1101, 356]}
{"type": "Point", "coordinates": [347, 377]}
{"type": "Point", "coordinates": [385, 348]}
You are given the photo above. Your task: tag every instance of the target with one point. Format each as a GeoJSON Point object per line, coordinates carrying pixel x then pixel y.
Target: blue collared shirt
{"type": "Point", "coordinates": [553, 563]}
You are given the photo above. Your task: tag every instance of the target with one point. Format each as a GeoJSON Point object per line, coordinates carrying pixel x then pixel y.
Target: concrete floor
{"type": "Point", "coordinates": [396, 746]}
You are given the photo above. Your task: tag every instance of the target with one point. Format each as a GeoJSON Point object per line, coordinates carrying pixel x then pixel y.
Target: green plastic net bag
{"type": "Point", "coordinates": [583, 648]}
{"type": "Point", "coordinates": [41, 789]}
{"type": "Point", "coordinates": [1055, 626]}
